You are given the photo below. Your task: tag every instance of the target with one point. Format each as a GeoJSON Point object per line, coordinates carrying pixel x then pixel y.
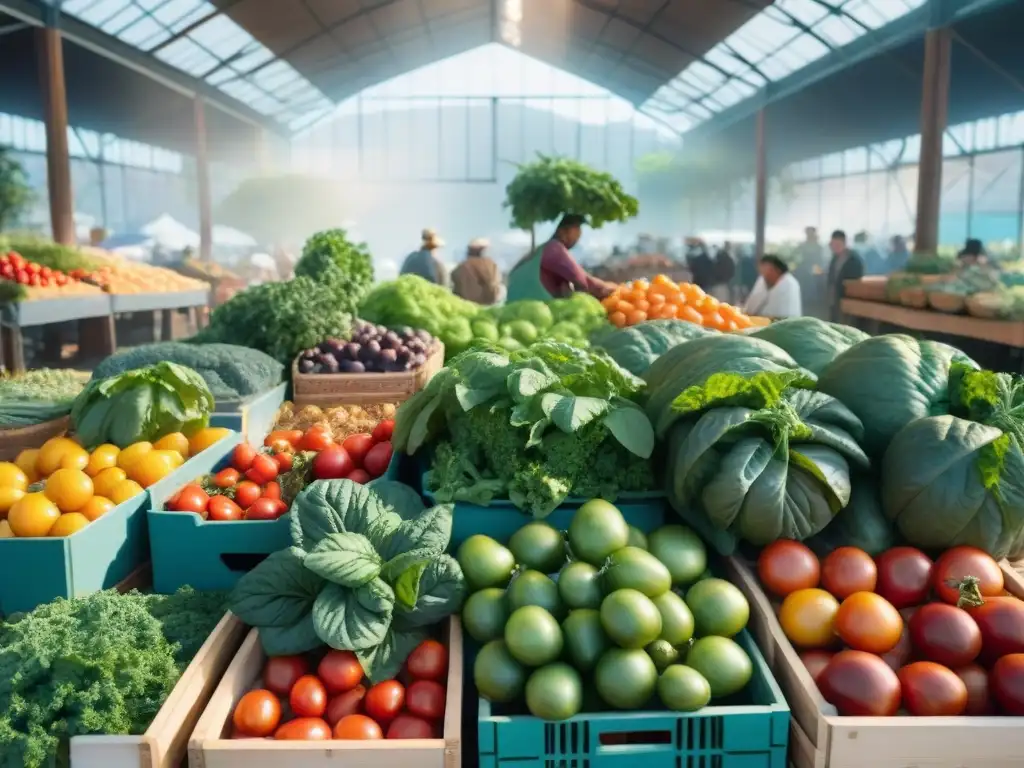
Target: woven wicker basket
{"type": "Point", "coordinates": [14, 441]}
{"type": "Point", "coordinates": [953, 303]}
{"type": "Point", "coordinates": [866, 289]}
{"type": "Point", "coordinates": [986, 306]}
{"type": "Point", "coordinates": [916, 298]}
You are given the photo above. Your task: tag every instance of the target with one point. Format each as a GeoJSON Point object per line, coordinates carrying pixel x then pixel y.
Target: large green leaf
{"type": "Point", "coordinates": [346, 559]}
{"type": "Point", "coordinates": [420, 538]}
{"type": "Point", "coordinates": [631, 427]}
{"type": "Point", "coordinates": [279, 592]}
{"type": "Point", "coordinates": [384, 661]}
{"type": "Point", "coordinates": [338, 506]}
{"type": "Point", "coordinates": [811, 342]}
{"type": "Point", "coordinates": [354, 619]}
{"type": "Point", "coordinates": [440, 592]}
{"type": "Point", "coordinates": [296, 639]}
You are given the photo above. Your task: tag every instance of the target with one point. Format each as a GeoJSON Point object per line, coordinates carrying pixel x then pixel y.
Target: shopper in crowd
{"type": "Point", "coordinates": [699, 262]}
{"type": "Point", "coordinates": [723, 273]}
{"type": "Point", "coordinates": [973, 253]}
{"type": "Point", "coordinates": [845, 265]}
{"type": "Point", "coordinates": [810, 273]}
{"type": "Point", "coordinates": [776, 292]}
{"type": "Point", "coordinates": [478, 277]}
{"type": "Point", "coordinates": [899, 254]}
{"type": "Point", "coordinates": [551, 271]}
{"type": "Point", "coordinates": [747, 270]}
{"type": "Point", "coordinates": [874, 261]}
{"type": "Point", "coordinates": [425, 262]}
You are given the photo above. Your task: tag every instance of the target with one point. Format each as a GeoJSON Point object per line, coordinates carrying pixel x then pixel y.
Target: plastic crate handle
{"type": "Point", "coordinates": [659, 737]}
{"type": "Point", "coordinates": [242, 562]}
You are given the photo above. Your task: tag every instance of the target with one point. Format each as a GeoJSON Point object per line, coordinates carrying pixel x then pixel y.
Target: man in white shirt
{"type": "Point", "coordinates": [776, 292]}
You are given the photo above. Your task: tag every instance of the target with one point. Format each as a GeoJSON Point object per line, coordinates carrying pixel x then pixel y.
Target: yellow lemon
{"type": "Point", "coordinates": [34, 515]}
{"type": "Point", "coordinates": [68, 524]}
{"type": "Point", "coordinates": [154, 466]}
{"type": "Point", "coordinates": [103, 457]}
{"type": "Point", "coordinates": [125, 490]}
{"type": "Point", "coordinates": [95, 507]}
{"type": "Point", "coordinates": [75, 458]}
{"type": "Point", "coordinates": [8, 497]}
{"type": "Point", "coordinates": [103, 484]}
{"type": "Point", "coordinates": [12, 476]}
{"type": "Point", "coordinates": [26, 461]}
{"type": "Point", "coordinates": [173, 442]}
{"type": "Point", "coordinates": [127, 457]}
{"type": "Point", "coordinates": [204, 438]}
{"type": "Point", "coordinates": [69, 489]}
{"type": "Point", "coordinates": [51, 453]}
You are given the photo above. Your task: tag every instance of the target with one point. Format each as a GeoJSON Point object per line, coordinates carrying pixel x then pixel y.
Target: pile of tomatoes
{"type": "Point", "coordinates": [662, 298]}
{"type": "Point", "coordinates": [303, 701]}
{"type": "Point", "coordinates": [17, 269]}
{"type": "Point", "coordinates": [901, 632]}
{"type": "Point", "coordinates": [361, 457]}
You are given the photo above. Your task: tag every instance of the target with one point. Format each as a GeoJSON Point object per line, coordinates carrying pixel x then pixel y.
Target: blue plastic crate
{"type": "Point", "coordinates": [254, 417]}
{"type": "Point", "coordinates": [751, 733]}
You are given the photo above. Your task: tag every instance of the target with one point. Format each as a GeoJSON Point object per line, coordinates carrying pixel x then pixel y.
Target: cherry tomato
{"type": "Point", "coordinates": [332, 463]}
{"type": "Point", "coordinates": [816, 661]}
{"type": "Point", "coordinates": [383, 430]}
{"type": "Point", "coordinates": [191, 498]}
{"type": "Point", "coordinates": [945, 634]}
{"type": "Point", "coordinates": [360, 476]}
{"type": "Point", "coordinates": [384, 701]}
{"type": "Point", "coordinates": [257, 713]}
{"type": "Point", "coordinates": [347, 703]}
{"type": "Point", "coordinates": [315, 440]}
{"type": "Point", "coordinates": [272, 490]}
{"type": "Point", "coordinates": [304, 729]}
{"type": "Point", "coordinates": [786, 566]}
{"type": "Point", "coordinates": [868, 622]}
{"type": "Point", "coordinates": [429, 661]}
{"type": "Point", "coordinates": [264, 466]}
{"type": "Point", "coordinates": [242, 456]}
{"type": "Point", "coordinates": [962, 573]}
{"type": "Point", "coordinates": [308, 697]}
{"type": "Point", "coordinates": [847, 570]}
{"type": "Point", "coordinates": [979, 697]}
{"type": "Point", "coordinates": [425, 698]}
{"type": "Point", "coordinates": [1006, 681]}
{"type": "Point", "coordinates": [408, 727]}
{"type": "Point", "coordinates": [223, 509]}
{"type": "Point", "coordinates": [340, 671]}
{"type": "Point", "coordinates": [808, 618]}
{"type": "Point", "coordinates": [280, 446]}
{"type": "Point", "coordinates": [859, 683]}
{"type": "Point", "coordinates": [904, 576]}
{"type": "Point", "coordinates": [357, 727]}
{"type": "Point", "coordinates": [357, 446]}
{"type": "Point", "coordinates": [227, 478]}
{"type": "Point", "coordinates": [932, 690]}
{"type": "Point", "coordinates": [246, 492]}
{"type": "Point", "coordinates": [285, 461]}
{"type": "Point", "coordinates": [281, 672]}
{"type": "Point", "coordinates": [263, 509]}
{"type": "Point", "coordinates": [1001, 621]}
{"type": "Point", "coordinates": [290, 436]}
{"type": "Point", "coordinates": [377, 459]}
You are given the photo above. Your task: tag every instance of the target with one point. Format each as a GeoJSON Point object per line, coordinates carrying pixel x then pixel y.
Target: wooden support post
{"type": "Point", "coordinates": [55, 113]}
{"type": "Point", "coordinates": [760, 187]}
{"type": "Point", "coordinates": [203, 182]}
{"type": "Point", "coordinates": [934, 109]}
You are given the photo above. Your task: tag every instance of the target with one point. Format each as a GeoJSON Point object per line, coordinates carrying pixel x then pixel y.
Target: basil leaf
{"type": "Point", "coordinates": [347, 559]}
{"type": "Point", "coordinates": [420, 538]}
{"type": "Point", "coordinates": [631, 427]}
{"type": "Point", "coordinates": [337, 506]}
{"type": "Point", "coordinates": [440, 593]}
{"type": "Point", "coordinates": [384, 661]}
{"type": "Point", "coordinates": [353, 619]}
{"type": "Point", "coordinates": [279, 592]}
{"type": "Point", "coordinates": [526, 383]}
{"type": "Point", "coordinates": [571, 414]}
{"type": "Point", "coordinates": [299, 638]}
{"type": "Point", "coordinates": [398, 499]}
{"type": "Point", "coordinates": [407, 587]}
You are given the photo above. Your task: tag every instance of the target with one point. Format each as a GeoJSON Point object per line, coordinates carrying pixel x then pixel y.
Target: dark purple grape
{"type": "Point", "coordinates": [403, 355]}
{"type": "Point", "coordinates": [424, 335]}
{"type": "Point", "coordinates": [418, 359]}
{"type": "Point", "coordinates": [351, 352]}
{"type": "Point", "coordinates": [388, 356]}
{"type": "Point", "coordinates": [372, 348]}
{"type": "Point", "coordinates": [306, 366]}
{"type": "Point", "coordinates": [351, 366]}
{"type": "Point", "coordinates": [317, 368]}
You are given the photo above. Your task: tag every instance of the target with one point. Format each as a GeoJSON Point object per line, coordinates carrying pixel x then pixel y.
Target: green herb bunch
{"type": "Point", "coordinates": [346, 267]}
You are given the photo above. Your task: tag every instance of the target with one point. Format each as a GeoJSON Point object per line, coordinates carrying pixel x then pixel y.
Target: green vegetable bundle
{"type": "Point", "coordinates": [102, 664]}
{"type": "Point", "coordinates": [38, 396]}
{"type": "Point", "coordinates": [637, 347]}
{"type": "Point", "coordinates": [331, 258]}
{"type": "Point", "coordinates": [811, 342]}
{"type": "Point", "coordinates": [142, 404]}
{"type": "Point", "coordinates": [534, 426]}
{"type": "Point", "coordinates": [46, 253]}
{"type": "Point", "coordinates": [366, 573]}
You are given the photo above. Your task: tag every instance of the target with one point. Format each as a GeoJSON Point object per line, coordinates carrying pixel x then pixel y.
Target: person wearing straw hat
{"type": "Point", "coordinates": [424, 262]}
{"type": "Point", "coordinates": [478, 277]}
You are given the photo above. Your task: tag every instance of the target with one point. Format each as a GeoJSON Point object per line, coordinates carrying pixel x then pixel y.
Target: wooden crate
{"type": "Point", "coordinates": [866, 288]}
{"type": "Point", "coordinates": [326, 389]}
{"type": "Point", "coordinates": [165, 742]}
{"type": "Point", "coordinates": [821, 738]}
{"type": "Point", "coordinates": [209, 747]}
{"type": "Point", "coordinates": [14, 441]}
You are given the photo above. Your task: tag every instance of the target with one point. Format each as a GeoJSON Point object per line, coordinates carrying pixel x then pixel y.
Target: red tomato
{"type": "Point", "coordinates": [904, 576]}
{"type": "Point", "coordinates": [932, 690]}
{"type": "Point", "coordinates": [332, 463]}
{"type": "Point", "coordinates": [816, 661]}
{"type": "Point", "coordinates": [281, 672]}
{"type": "Point", "coordinates": [378, 458]}
{"type": "Point", "coordinates": [847, 570]}
{"type": "Point", "coordinates": [1006, 682]}
{"type": "Point", "coordinates": [429, 661]}
{"type": "Point", "coordinates": [242, 456]}
{"type": "Point", "coordinates": [384, 701]}
{"type": "Point", "coordinates": [226, 478]}
{"type": "Point", "coordinates": [383, 430]}
{"type": "Point", "coordinates": [408, 727]}
{"type": "Point", "coordinates": [272, 490]}
{"type": "Point", "coordinates": [45, 271]}
{"type": "Point", "coordinates": [357, 727]}
{"type": "Point", "coordinates": [347, 703]}
{"type": "Point", "coordinates": [62, 280]}
{"type": "Point", "coordinates": [264, 466]}
{"type": "Point", "coordinates": [285, 461]}
{"type": "Point", "coordinates": [34, 280]}
{"type": "Point", "coordinates": [308, 697]}
{"type": "Point", "coordinates": [340, 671]}
{"type": "Point", "coordinates": [868, 622]}
{"type": "Point", "coordinates": [304, 729]}
{"type": "Point", "coordinates": [315, 440]}
{"type": "Point", "coordinates": [964, 572]}
{"type": "Point", "coordinates": [224, 509]}
{"type": "Point", "coordinates": [280, 446]}
{"type": "Point", "coordinates": [191, 498]}
{"type": "Point", "coordinates": [1001, 621]}
{"type": "Point", "coordinates": [290, 436]}
{"type": "Point", "coordinates": [44, 282]}
{"type": "Point", "coordinates": [357, 446]}
{"type": "Point", "coordinates": [360, 476]}
{"type": "Point", "coordinates": [257, 713]}
{"type": "Point", "coordinates": [979, 698]}
{"type": "Point", "coordinates": [425, 698]}
{"type": "Point", "coordinates": [945, 634]}
{"type": "Point", "coordinates": [903, 651]}
{"type": "Point", "coordinates": [786, 566]}
{"type": "Point", "coordinates": [858, 683]}
{"type": "Point", "coordinates": [263, 509]}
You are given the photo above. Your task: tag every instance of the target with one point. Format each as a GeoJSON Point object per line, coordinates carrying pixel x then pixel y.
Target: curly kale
{"type": "Point", "coordinates": [562, 459]}
{"type": "Point", "coordinates": [454, 476]}
{"type": "Point", "coordinates": [330, 258]}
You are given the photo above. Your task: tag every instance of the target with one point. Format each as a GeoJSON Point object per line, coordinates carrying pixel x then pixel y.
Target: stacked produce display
{"type": "Point", "coordinates": [662, 298]}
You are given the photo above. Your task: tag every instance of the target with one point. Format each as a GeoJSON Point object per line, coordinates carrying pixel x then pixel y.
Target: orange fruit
{"type": "Point", "coordinates": [691, 315]}
{"type": "Point", "coordinates": [662, 280]}
{"type": "Point", "coordinates": [656, 299]}
{"type": "Point", "coordinates": [154, 467]}
{"type": "Point", "coordinates": [51, 453]}
{"type": "Point", "coordinates": [624, 307]}
{"type": "Point", "coordinates": [96, 507]}
{"type": "Point", "coordinates": [669, 311]}
{"type": "Point", "coordinates": [642, 304]}
{"type": "Point", "coordinates": [124, 490]}
{"type": "Point", "coordinates": [103, 457]}
{"type": "Point", "coordinates": [32, 516]}
{"type": "Point", "coordinates": [175, 441]}
{"type": "Point", "coordinates": [618, 319]}
{"type": "Point", "coordinates": [68, 524]}
{"type": "Point", "coordinates": [103, 484]}
{"type": "Point", "coordinates": [75, 458]}
{"type": "Point", "coordinates": [730, 325]}
{"type": "Point", "coordinates": [641, 285]}
{"type": "Point", "coordinates": [69, 489]}
{"type": "Point", "coordinates": [713, 320]}
{"type": "Point", "coordinates": [206, 437]}
{"type": "Point", "coordinates": [636, 316]}
{"type": "Point", "coordinates": [26, 462]}
{"type": "Point", "coordinates": [12, 476]}
{"type": "Point", "coordinates": [128, 456]}
{"type": "Point", "coordinates": [9, 496]}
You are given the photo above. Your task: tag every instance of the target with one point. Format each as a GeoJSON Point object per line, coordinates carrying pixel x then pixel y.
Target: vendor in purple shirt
{"type": "Point", "coordinates": [550, 271]}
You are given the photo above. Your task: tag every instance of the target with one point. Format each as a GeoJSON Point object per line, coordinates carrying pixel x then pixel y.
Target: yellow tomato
{"type": "Point", "coordinates": [12, 476]}
{"type": "Point", "coordinates": [51, 453]}
{"type": "Point", "coordinates": [131, 454]}
{"type": "Point", "coordinates": [68, 524]}
{"type": "Point", "coordinates": [26, 461]}
{"type": "Point", "coordinates": [204, 438]}
{"type": "Point", "coordinates": [5, 530]}
{"type": "Point", "coordinates": [103, 484]}
{"type": "Point", "coordinates": [8, 497]}
{"type": "Point", "coordinates": [173, 442]}
{"type": "Point", "coordinates": [124, 490]}
{"type": "Point", "coordinates": [154, 466]}
{"type": "Point", "coordinates": [69, 489]}
{"type": "Point", "coordinates": [95, 507]}
{"type": "Point", "coordinates": [34, 515]}
{"type": "Point", "coordinates": [103, 457]}
{"type": "Point", "coordinates": [75, 458]}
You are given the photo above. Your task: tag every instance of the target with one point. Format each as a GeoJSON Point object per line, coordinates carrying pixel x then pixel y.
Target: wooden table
{"type": "Point", "coordinates": [1008, 332]}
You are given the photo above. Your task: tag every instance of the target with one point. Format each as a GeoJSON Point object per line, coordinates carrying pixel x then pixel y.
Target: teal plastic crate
{"type": "Point", "coordinates": [254, 417]}
{"type": "Point", "coordinates": [750, 732]}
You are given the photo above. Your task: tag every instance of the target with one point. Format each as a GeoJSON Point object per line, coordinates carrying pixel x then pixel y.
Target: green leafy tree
{"type": "Point", "coordinates": [15, 193]}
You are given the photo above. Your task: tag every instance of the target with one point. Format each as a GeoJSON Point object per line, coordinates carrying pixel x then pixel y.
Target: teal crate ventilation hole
{"type": "Point", "coordinates": [254, 417]}
{"type": "Point", "coordinates": [752, 732]}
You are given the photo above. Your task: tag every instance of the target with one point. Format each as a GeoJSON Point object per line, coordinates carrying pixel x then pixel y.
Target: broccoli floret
{"type": "Point", "coordinates": [536, 490]}
{"type": "Point", "coordinates": [540, 486]}
{"type": "Point", "coordinates": [454, 477]}
{"type": "Point", "coordinates": [496, 447]}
